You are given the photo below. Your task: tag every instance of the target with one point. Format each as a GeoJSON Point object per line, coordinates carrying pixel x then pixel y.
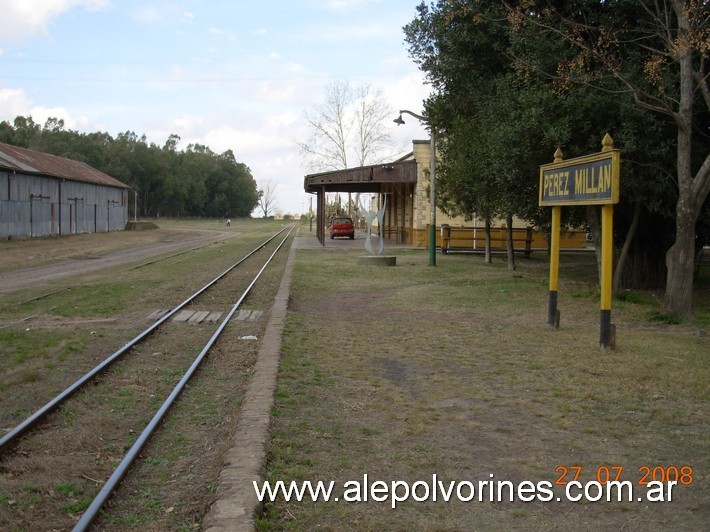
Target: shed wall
{"type": "Point", "coordinates": [33, 206]}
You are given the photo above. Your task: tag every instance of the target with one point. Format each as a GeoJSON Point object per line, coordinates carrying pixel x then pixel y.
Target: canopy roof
{"type": "Point", "coordinates": [362, 178]}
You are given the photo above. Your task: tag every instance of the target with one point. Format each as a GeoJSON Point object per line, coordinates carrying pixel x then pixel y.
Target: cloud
{"type": "Point", "coordinates": [408, 92]}
{"type": "Point", "coordinates": [27, 18]}
{"type": "Point", "coordinates": [13, 102]}
{"type": "Point", "coordinates": [77, 123]}
{"type": "Point", "coordinates": [298, 93]}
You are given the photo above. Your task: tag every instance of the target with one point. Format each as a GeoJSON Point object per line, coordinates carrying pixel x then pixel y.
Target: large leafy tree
{"type": "Point", "coordinates": [491, 124]}
{"type": "Point", "coordinates": [557, 52]}
{"type": "Point", "coordinates": [654, 53]}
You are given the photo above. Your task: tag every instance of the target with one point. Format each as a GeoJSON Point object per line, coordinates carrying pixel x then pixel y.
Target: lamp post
{"type": "Point", "coordinates": [432, 171]}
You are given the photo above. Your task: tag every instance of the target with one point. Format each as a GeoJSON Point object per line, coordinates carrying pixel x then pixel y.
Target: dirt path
{"type": "Point", "coordinates": [24, 264]}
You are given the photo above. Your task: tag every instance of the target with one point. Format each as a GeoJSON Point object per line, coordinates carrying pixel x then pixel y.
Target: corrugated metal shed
{"type": "Point", "coordinates": [46, 195]}
{"type": "Point", "coordinates": [26, 161]}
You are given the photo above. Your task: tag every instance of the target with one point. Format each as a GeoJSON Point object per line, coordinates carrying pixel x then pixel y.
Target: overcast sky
{"type": "Point", "coordinates": [229, 74]}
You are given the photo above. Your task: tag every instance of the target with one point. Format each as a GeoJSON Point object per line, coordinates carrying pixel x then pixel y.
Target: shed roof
{"type": "Point", "coordinates": [24, 161]}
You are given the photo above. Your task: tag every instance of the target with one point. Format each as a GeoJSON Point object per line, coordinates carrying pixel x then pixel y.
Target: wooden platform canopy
{"type": "Point", "coordinates": [363, 179]}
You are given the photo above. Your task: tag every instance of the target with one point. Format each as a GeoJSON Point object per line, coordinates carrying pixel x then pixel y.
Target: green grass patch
{"type": "Point", "coordinates": [662, 317]}
{"type": "Point", "coordinates": [123, 401]}
{"type": "Point", "coordinates": [628, 297]}
{"type": "Point", "coordinates": [78, 507]}
{"type": "Point", "coordinates": [98, 300]}
{"type": "Point", "coordinates": [68, 489]}
{"type": "Point", "coordinates": [23, 346]}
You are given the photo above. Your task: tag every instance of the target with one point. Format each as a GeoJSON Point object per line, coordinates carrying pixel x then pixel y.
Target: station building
{"type": "Point", "coordinates": [405, 185]}
{"type": "Point", "coordinates": [46, 195]}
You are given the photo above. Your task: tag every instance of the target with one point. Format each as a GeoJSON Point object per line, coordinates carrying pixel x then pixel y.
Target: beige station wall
{"type": "Point", "coordinates": [422, 209]}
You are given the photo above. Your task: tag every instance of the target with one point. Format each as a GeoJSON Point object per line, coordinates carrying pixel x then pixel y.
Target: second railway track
{"type": "Point", "coordinates": [54, 476]}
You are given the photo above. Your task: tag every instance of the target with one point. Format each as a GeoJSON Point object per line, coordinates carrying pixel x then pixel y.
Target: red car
{"type": "Point", "coordinates": [342, 226]}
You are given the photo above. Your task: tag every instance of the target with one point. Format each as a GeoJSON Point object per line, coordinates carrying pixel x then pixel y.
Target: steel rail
{"type": "Point", "coordinates": [28, 423]}
{"type": "Point", "coordinates": [103, 495]}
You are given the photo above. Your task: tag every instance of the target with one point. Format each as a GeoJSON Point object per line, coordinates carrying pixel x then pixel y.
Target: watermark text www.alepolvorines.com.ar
{"type": "Point", "coordinates": [437, 490]}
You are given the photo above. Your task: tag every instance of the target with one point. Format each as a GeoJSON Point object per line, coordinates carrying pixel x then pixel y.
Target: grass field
{"type": "Point", "coordinates": [406, 372]}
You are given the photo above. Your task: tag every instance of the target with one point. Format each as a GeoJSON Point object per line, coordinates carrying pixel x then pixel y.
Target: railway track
{"type": "Point", "coordinates": [103, 412]}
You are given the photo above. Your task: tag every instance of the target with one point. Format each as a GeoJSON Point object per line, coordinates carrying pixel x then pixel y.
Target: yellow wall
{"type": "Point", "coordinates": [412, 207]}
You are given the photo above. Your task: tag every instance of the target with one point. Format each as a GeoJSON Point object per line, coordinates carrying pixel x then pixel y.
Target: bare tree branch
{"type": "Point", "coordinates": [348, 126]}
{"type": "Point", "coordinates": [267, 198]}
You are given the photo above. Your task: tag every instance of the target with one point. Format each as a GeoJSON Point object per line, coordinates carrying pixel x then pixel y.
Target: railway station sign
{"type": "Point", "coordinates": [587, 180]}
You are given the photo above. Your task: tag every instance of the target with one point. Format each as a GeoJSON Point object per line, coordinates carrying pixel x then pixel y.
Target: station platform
{"type": "Point", "coordinates": [306, 240]}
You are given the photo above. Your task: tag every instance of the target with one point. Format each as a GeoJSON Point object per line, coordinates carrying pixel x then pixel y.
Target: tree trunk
{"type": "Point", "coordinates": [679, 258]}
{"type": "Point", "coordinates": [621, 263]}
{"type": "Point", "coordinates": [509, 242]}
{"type": "Point", "coordinates": [488, 241]}
{"type": "Point", "coordinates": [678, 299]}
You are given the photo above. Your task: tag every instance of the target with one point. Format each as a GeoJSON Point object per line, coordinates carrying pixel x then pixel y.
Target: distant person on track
{"type": "Point", "coordinates": [229, 222]}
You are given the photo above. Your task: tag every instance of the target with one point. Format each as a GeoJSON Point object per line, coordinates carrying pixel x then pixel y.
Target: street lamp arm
{"type": "Point", "coordinates": [415, 115]}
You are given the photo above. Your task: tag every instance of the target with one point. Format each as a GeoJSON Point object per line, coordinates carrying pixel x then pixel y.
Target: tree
{"type": "Point", "coordinates": [489, 122]}
{"type": "Point", "coordinates": [25, 131]}
{"type": "Point", "coordinates": [267, 198]}
{"type": "Point", "coordinates": [656, 53]}
{"type": "Point", "coordinates": [238, 185]}
{"type": "Point", "coordinates": [348, 127]}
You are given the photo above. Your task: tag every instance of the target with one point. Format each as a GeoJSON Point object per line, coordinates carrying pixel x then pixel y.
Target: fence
{"type": "Point", "coordinates": [472, 239]}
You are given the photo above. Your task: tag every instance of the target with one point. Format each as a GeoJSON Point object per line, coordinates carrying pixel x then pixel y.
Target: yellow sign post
{"type": "Point", "coordinates": [588, 180]}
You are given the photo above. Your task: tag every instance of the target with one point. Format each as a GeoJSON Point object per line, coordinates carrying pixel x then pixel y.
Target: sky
{"type": "Point", "coordinates": [229, 74]}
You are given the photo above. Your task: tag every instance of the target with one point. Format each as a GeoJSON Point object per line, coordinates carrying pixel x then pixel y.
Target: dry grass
{"type": "Point", "coordinates": [401, 373]}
